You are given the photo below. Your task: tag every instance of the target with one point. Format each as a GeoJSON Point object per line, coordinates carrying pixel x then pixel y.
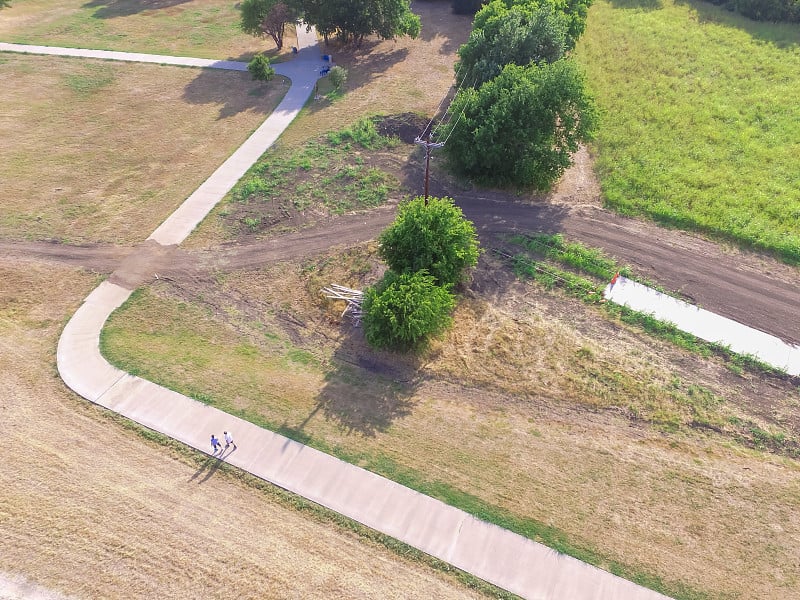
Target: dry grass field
{"type": "Point", "coordinates": [96, 151]}
{"type": "Point", "coordinates": [92, 509]}
{"type": "Point", "coordinates": [202, 28]}
{"type": "Point", "coordinates": [532, 404]}
{"type": "Point", "coordinates": [533, 410]}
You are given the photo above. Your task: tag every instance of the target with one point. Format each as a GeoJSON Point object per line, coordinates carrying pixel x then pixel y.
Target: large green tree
{"type": "Point", "coordinates": [403, 310]}
{"type": "Point", "coordinates": [434, 237]}
{"type": "Point", "coordinates": [266, 18]}
{"type": "Point", "coordinates": [353, 20]}
{"type": "Point", "coordinates": [518, 35]}
{"type": "Point", "coordinates": [521, 128]}
{"type": "Point", "coordinates": [574, 10]}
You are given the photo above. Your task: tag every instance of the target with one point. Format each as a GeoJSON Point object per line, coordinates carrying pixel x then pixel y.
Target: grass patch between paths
{"type": "Point", "coordinates": [328, 174]}
{"type": "Point", "coordinates": [701, 119]}
{"type": "Point", "coordinates": [592, 261]}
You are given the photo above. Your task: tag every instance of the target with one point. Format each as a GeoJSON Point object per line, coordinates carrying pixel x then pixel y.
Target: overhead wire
{"type": "Point", "coordinates": [458, 87]}
{"type": "Point", "coordinates": [452, 129]}
{"type": "Point", "coordinates": [438, 108]}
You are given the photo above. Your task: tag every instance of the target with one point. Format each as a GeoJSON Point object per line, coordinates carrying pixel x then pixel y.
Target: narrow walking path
{"type": "Point", "coordinates": [705, 324]}
{"type": "Point", "coordinates": [496, 555]}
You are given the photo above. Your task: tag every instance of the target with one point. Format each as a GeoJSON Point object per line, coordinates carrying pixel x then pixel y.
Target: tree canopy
{"type": "Point", "coordinates": [434, 237]}
{"type": "Point", "coordinates": [266, 18]}
{"type": "Point", "coordinates": [403, 310]}
{"type": "Point", "coordinates": [575, 12]}
{"type": "Point", "coordinates": [353, 20]}
{"type": "Point", "coordinates": [520, 128]}
{"type": "Point", "coordinates": [518, 35]}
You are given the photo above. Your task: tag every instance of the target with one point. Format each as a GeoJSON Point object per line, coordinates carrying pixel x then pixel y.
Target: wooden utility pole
{"type": "Point", "coordinates": [428, 147]}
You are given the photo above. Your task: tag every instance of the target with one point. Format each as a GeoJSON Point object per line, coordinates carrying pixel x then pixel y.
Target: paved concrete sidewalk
{"type": "Point", "coordinates": [506, 559]}
{"type": "Point", "coordinates": [501, 557]}
{"type": "Point", "coordinates": [307, 46]}
{"type": "Point", "coordinates": [704, 324]}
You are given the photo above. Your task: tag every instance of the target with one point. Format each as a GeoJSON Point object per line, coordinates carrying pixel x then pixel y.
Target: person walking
{"type": "Point", "coordinates": [229, 440]}
{"type": "Point", "coordinates": [215, 444]}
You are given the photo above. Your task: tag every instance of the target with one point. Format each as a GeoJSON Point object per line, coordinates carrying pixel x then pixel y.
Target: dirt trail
{"type": "Point", "coordinates": [750, 288]}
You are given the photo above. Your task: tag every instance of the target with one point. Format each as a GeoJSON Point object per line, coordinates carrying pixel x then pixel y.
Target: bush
{"type": "Point", "coordinates": [518, 35]}
{"type": "Point", "coordinates": [402, 311]}
{"type": "Point", "coordinates": [260, 68]}
{"type": "Point", "coordinates": [434, 237]}
{"type": "Point", "coordinates": [521, 128]}
{"type": "Point", "coordinates": [338, 77]}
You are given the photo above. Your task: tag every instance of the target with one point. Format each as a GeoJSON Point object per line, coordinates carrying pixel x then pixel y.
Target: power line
{"type": "Point", "coordinates": [458, 87]}
{"type": "Point", "coordinates": [453, 128]}
{"type": "Point", "coordinates": [429, 145]}
{"type": "Point", "coordinates": [438, 108]}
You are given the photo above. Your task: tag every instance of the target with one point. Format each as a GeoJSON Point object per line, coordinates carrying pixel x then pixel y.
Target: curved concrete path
{"type": "Point", "coordinates": [501, 557]}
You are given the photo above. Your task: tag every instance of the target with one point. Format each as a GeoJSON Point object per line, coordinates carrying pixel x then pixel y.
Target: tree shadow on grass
{"type": "Point", "coordinates": [367, 390]}
{"type": "Point", "coordinates": [362, 65]}
{"type": "Point", "coordinates": [235, 92]}
{"type": "Point", "coordinates": [439, 21]}
{"type": "Point", "coordinates": [785, 36]}
{"type": "Point", "coordinates": [638, 4]}
{"type": "Point", "coordinates": [109, 9]}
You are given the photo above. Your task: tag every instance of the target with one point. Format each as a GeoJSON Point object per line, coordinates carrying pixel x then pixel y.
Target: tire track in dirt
{"type": "Point", "coordinates": [750, 288]}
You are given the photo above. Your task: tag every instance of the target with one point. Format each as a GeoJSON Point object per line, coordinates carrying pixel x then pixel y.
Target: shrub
{"type": "Point", "coordinates": [521, 128]}
{"type": "Point", "coordinates": [434, 237]}
{"type": "Point", "coordinates": [338, 77]}
{"type": "Point", "coordinates": [402, 311]}
{"type": "Point", "coordinates": [260, 68]}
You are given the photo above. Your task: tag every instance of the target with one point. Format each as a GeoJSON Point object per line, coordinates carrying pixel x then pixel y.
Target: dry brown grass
{"type": "Point", "coordinates": [202, 28]}
{"type": "Point", "coordinates": [499, 410]}
{"type": "Point", "coordinates": [389, 77]}
{"type": "Point", "coordinates": [92, 510]}
{"type": "Point", "coordinates": [94, 151]}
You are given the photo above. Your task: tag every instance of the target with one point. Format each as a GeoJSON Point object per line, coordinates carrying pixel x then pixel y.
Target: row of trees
{"type": "Point", "coordinates": [429, 249]}
{"type": "Point", "coordinates": [522, 109]}
{"type": "Point", "coordinates": [349, 20]}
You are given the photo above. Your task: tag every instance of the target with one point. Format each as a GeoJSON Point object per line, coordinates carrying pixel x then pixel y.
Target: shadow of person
{"type": "Point", "coordinates": [209, 466]}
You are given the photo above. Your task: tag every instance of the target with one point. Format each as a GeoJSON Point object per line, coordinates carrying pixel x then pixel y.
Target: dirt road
{"type": "Point", "coordinates": [750, 288]}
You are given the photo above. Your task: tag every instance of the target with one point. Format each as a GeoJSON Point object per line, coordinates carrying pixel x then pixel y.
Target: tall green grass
{"type": "Point", "coordinates": [701, 119]}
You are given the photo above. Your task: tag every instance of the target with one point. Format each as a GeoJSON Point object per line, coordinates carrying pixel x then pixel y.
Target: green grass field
{"type": "Point", "coordinates": [701, 119]}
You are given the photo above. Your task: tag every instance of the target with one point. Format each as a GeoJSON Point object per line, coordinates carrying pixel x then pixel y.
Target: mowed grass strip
{"type": "Point", "coordinates": [200, 28]}
{"type": "Point", "coordinates": [473, 425]}
{"type": "Point", "coordinates": [100, 151]}
{"type": "Point", "coordinates": [701, 119]}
